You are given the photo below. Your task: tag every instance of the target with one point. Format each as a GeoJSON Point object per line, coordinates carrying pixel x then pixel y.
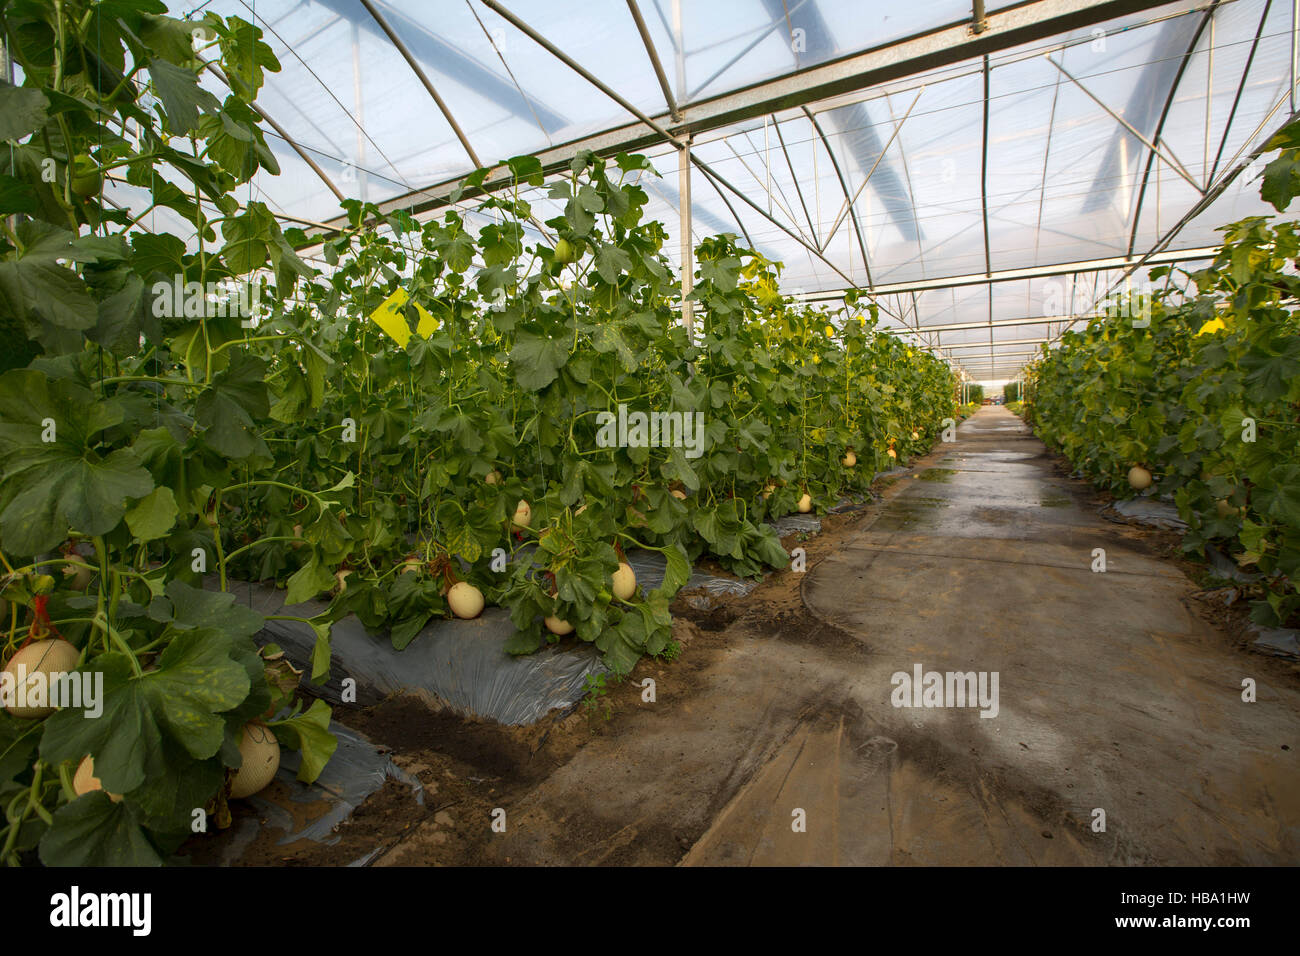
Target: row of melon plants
{"type": "Point", "coordinates": [1195, 395]}
{"type": "Point", "coordinates": [485, 420]}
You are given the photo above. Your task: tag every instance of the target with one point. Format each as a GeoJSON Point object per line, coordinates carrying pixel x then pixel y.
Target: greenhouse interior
{"type": "Point", "coordinates": [649, 433]}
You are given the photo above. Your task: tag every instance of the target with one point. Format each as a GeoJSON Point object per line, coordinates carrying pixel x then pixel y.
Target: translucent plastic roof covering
{"type": "Point", "coordinates": [1037, 156]}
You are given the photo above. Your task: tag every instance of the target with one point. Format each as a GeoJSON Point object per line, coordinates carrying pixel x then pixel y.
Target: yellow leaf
{"type": "Point", "coordinates": [1214, 325]}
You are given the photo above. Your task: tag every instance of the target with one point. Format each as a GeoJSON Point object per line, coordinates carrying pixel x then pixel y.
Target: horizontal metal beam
{"type": "Point", "coordinates": [963, 326]}
{"type": "Point", "coordinates": [1025, 23]}
{"type": "Point", "coordinates": [1008, 370]}
{"type": "Point", "coordinates": [997, 346]}
{"type": "Point", "coordinates": [1036, 272]}
{"type": "Point", "coordinates": [1000, 356]}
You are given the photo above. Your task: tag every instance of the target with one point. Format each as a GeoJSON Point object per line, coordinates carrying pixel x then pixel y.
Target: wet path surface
{"type": "Point", "coordinates": [1112, 698]}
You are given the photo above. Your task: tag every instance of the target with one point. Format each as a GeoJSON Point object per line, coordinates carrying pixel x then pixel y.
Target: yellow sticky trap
{"type": "Point", "coordinates": [389, 318]}
{"type": "Point", "coordinates": [427, 324]}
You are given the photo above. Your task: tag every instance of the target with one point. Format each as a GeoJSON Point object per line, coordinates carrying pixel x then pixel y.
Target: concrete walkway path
{"type": "Point", "coordinates": [1115, 703]}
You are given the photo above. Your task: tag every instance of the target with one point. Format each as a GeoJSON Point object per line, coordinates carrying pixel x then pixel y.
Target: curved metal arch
{"type": "Point", "coordinates": [731, 209]}
{"type": "Point", "coordinates": [1164, 115]}
{"type": "Point", "coordinates": [655, 62]}
{"type": "Point", "coordinates": [423, 77]}
{"type": "Point", "coordinates": [1236, 100]}
{"type": "Point", "coordinates": [812, 227]}
{"type": "Point", "coordinates": [839, 175]}
{"type": "Point", "coordinates": [293, 143]}
{"type": "Point", "coordinates": [984, 175]}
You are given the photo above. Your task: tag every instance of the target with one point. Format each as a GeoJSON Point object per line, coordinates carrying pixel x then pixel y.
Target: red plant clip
{"type": "Point", "coordinates": [40, 629]}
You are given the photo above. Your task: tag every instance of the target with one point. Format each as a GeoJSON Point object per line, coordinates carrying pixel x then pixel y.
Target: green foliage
{"type": "Point", "coordinates": [1207, 396]}
{"type": "Point", "coordinates": [594, 701]}
{"type": "Point", "coordinates": [123, 430]}
{"type": "Point", "coordinates": [527, 357]}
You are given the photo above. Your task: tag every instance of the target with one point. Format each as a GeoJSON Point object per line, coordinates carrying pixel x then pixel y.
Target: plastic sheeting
{"type": "Point", "coordinates": [796, 523]}
{"type": "Point", "coordinates": [1152, 512]}
{"type": "Point", "coordinates": [1278, 641]}
{"type": "Point", "coordinates": [650, 568]}
{"type": "Point", "coordinates": [356, 770]}
{"type": "Point", "coordinates": [458, 665]}
{"type": "Point", "coordinates": [463, 665]}
{"type": "Point", "coordinates": [1224, 568]}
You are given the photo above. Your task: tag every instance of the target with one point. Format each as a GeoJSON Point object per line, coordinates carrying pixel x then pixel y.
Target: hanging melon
{"type": "Point", "coordinates": [261, 753]}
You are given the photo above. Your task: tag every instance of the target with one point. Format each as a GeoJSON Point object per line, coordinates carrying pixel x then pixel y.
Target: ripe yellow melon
{"type": "Point", "coordinates": [523, 516]}
{"type": "Point", "coordinates": [84, 780]}
{"type": "Point", "coordinates": [556, 626]}
{"type": "Point", "coordinates": [1226, 509]}
{"type": "Point", "coordinates": [1139, 478]}
{"type": "Point", "coordinates": [805, 503]}
{"type": "Point", "coordinates": [79, 576]}
{"type": "Point", "coordinates": [49, 657]}
{"type": "Point", "coordinates": [466, 601]}
{"type": "Point", "coordinates": [849, 459]}
{"type": "Point", "coordinates": [624, 585]}
{"type": "Point", "coordinates": [261, 753]}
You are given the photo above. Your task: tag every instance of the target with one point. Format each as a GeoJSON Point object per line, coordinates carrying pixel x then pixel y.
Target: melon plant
{"type": "Point", "coordinates": [159, 420]}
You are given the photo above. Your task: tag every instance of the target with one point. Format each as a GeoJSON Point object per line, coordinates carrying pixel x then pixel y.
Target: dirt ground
{"type": "Point", "coordinates": [469, 769]}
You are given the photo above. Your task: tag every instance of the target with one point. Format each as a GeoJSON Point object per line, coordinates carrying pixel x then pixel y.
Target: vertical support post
{"type": "Point", "coordinates": [7, 67]}
{"type": "Point", "coordinates": [679, 54]}
{"type": "Point", "coordinates": [360, 111]}
{"type": "Point", "coordinates": [767, 165]}
{"type": "Point", "coordinates": [687, 240]}
{"type": "Point", "coordinates": [1209, 88]}
{"type": "Point", "coordinates": [1295, 24]}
